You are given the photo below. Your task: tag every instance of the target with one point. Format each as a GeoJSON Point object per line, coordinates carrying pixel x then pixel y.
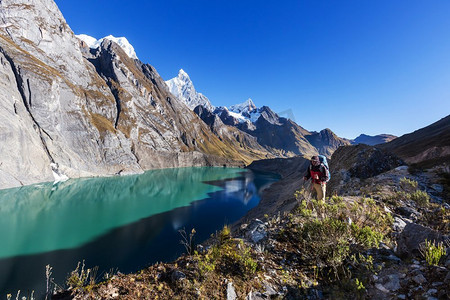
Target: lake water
{"type": "Point", "coordinates": [119, 223]}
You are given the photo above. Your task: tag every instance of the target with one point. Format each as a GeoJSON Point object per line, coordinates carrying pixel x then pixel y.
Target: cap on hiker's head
{"type": "Point", "coordinates": [315, 158]}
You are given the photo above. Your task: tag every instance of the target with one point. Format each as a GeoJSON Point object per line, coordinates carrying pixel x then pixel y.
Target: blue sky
{"type": "Point", "coordinates": [352, 66]}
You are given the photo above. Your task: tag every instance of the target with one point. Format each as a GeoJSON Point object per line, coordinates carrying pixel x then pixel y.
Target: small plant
{"type": "Point", "coordinates": [408, 185]}
{"type": "Point", "coordinates": [227, 256]}
{"type": "Point", "coordinates": [187, 241]}
{"type": "Point", "coordinates": [366, 236]}
{"type": "Point", "coordinates": [420, 197]}
{"type": "Point", "coordinates": [303, 194]}
{"type": "Point", "coordinates": [432, 253]}
{"type": "Point", "coordinates": [81, 277]}
{"type": "Point", "coordinates": [224, 235]}
{"type": "Point", "coordinates": [359, 285]}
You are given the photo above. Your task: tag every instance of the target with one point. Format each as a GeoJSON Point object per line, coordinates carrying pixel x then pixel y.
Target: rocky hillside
{"type": "Point", "coordinates": [359, 162]}
{"type": "Point", "coordinates": [428, 146]}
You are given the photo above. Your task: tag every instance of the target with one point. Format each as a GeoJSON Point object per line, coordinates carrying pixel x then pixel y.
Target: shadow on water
{"type": "Point", "coordinates": [122, 223]}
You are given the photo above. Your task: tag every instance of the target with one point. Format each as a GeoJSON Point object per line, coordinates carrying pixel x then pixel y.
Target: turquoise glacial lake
{"type": "Point", "coordinates": [119, 223]}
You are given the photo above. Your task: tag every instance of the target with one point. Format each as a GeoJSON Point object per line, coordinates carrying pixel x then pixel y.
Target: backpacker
{"type": "Point", "coordinates": [323, 160]}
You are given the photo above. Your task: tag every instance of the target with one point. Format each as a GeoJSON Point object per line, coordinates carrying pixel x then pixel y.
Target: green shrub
{"type": "Point", "coordinates": [408, 185]}
{"type": "Point", "coordinates": [228, 256]}
{"type": "Point", "coordinates": [432, 253]}
{"type": "Point", "coordinates": [366, 236]}
{"type": "Point", "coordinates": [420, 197]}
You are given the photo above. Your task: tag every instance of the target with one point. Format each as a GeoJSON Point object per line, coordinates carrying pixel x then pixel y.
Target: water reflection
{"type": "Point", "coordinates": [43, 218]}
{"type": "Point", "coordinates": [121, 222]}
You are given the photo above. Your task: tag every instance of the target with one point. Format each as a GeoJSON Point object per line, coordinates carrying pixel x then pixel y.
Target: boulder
{"type": "Point", "coordinates": [411, 238]}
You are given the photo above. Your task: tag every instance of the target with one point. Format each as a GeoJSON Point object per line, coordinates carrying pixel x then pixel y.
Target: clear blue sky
{"type": "Point", "coordinates": [353, 66]}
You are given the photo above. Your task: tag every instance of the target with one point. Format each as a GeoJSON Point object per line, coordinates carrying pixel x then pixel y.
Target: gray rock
{"type": "Point", "coordinates": [412, 236]}
{"type": "Point", "coordinates": [256, 231]}
{"type": "Point", "coordinates": [408, 212]}
{"type": "Point", "coordinates": [399, 224]}
{"type": "Point", "coordinates": [401, 296]}
{"type": "Point", "coordinates": [438, 188]}
{"type": "Point", "coordinates": [177, 275]}
{"type": "Point", "coordinates": [380, 287]}
{"type": "Point", "coordinates": [438, 283]}
{"type": "Point", "coordinates": [419, 279]}
{"type": "Point", "coordinates": [394, 258]}
{"type": "Point", "coordinates": [255, 296]}
{"type": "Point", "coordinates": [402, 168]}
{"type": "Point", "coordinates": [392, 282]}
{"type": "Point", "coordinates": [269, 289]}
{"type": "Point", "coordinates": [231, 293]}
{"type": "Point", "coordinates": [432, 291]}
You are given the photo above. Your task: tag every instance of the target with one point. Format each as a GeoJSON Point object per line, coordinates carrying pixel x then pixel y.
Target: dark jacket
{"type": "Point", "coordinates": [321, 169]}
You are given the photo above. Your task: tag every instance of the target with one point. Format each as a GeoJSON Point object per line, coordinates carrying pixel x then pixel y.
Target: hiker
{"type": "Point", "coordinates": [319, 174]}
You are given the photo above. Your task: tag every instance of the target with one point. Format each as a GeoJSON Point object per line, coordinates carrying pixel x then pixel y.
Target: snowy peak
{"type": "Point", "coordinates": [246, 107]}
{"type": "Point", "coordinates": [183, 88]}
{"type": "Point", "coordinates": [121, 41]}
{"type": "Point", "coordinates": [245, 112]}
{"type": "Point", "coordinates": [183, 76]}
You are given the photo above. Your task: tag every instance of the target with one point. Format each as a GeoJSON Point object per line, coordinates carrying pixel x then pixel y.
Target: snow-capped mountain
{"type": "Point", "coordinates": [183, 88]}
{"type": "Point", "coordinates": [243, 108]}
{"type": "Point", "coordinates": [121, 41]}
{"type": "Point", "coordinates": [245, 112]}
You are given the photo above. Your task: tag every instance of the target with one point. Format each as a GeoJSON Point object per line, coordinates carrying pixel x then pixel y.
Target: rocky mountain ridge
{"type": "Point", "coordinates": [279, 136]}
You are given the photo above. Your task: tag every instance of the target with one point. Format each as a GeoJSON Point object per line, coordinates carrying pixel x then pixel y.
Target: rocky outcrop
{"type": "Point", "coordinates": [358, 162]}
{"type": "Point", "coordinates": [412, 238]}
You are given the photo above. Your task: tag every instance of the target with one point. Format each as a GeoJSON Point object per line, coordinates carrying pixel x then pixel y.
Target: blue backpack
{"type": "Point", "coordinates": [323, 160]}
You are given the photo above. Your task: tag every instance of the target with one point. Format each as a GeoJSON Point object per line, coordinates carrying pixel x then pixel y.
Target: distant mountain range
{"type": "Point", "coordinates": [373, 140]}
{"type": "Point", "coordinates": [281, 137]}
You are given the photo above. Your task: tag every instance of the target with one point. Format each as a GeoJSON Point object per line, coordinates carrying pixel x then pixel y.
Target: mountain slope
{"type": "Point", "coordinates": [326, 141]}
{"type": "Point", "coordinates": [373, 140]}
{"type": "Point", "coordinates": [429, 145]}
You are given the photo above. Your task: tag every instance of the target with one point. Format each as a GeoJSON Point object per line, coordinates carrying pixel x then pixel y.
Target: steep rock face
{"type": "Point", "coordinates": [359, 162]}
{"type": "Point", "coordinates": [61, 92]}
{"type": "Point", "coordinates": [18, 145]}
{"type": "Point", "coordinates": [429, 146]}
{"type": "Point", "coordinates": [373, 140]}
{"type": "Point", "coordinates": [326, 141]}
